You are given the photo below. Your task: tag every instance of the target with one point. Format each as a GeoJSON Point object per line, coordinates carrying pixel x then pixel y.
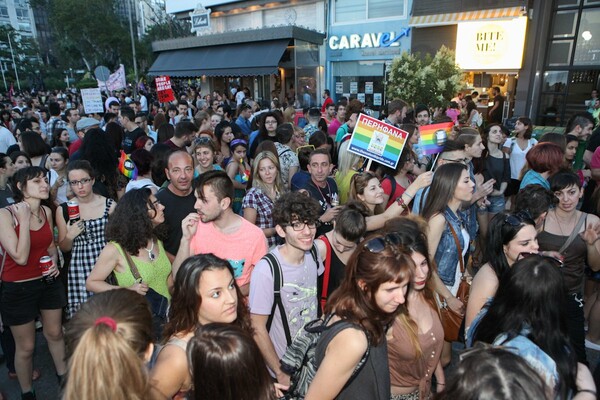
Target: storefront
{"type": "Point", "coordinates": [565, 65]}
{"type": "Point", "coordinates": [489, 46]}
{"type": "Point", "coordinates": [363, 39]}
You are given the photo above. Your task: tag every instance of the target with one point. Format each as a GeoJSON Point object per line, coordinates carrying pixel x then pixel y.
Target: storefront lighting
{"type": "Point", "coordinates": [586, 35]}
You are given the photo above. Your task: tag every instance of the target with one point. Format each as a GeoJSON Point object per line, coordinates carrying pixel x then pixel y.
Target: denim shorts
{"type": "Point", "coordinates": [496, 206]}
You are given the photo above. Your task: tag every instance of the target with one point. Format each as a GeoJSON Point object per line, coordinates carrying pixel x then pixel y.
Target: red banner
{"type": "Point", "coordinates": [163, 89]}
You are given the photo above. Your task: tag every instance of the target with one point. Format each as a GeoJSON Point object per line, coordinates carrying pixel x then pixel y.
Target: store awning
{"type": "Point", "coordinates": [423, 21]}
{"type": "Point", "coordinates": [240, 59]}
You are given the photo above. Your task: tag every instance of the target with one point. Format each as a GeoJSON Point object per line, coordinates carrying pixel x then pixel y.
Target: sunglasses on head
{"type": "Point", "coordinates": [551, 258]}
{"type": "Point", "coordinates": [378, 244]}
{"type": "Point", "coordinates": [518, 218]}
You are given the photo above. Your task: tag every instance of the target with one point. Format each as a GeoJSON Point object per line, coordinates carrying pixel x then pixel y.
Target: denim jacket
{"type": "Point", "coordinates": [446, 255]}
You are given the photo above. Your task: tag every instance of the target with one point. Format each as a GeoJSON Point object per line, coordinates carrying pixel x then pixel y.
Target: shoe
{"type": "Point", "coordinates": [35, 375]}
{"type": "Point", "coordinates": [591, 345]}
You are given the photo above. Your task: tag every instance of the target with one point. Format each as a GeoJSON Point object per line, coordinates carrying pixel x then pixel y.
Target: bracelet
{"type": "Point", "coordinates": [401, 203]}
{"type": "Point", "coordinates": [409, 195]}
{"type": "Point", "coordinates": [587, 391]}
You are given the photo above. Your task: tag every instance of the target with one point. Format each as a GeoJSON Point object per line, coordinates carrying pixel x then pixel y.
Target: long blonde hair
{"type": "Point", "coordinates": [105, 345]}
{"type": "Point", "coordinates": [257, 182]}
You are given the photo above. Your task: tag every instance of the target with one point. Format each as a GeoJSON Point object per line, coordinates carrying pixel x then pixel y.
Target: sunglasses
{"type": "Point", "coordinates": [378, 244]}
{"type": "Point", "coordinates": [308, 146]}
{"type": "Point", "coordinates": [551, 258]}
{"type": "Point", "coordinates": [518, 218]}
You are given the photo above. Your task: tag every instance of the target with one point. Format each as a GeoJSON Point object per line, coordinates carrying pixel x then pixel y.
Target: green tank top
{"type": "Point", "coordinates": [155, 273]}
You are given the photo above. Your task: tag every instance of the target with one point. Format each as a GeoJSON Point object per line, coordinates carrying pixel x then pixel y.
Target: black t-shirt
{"type": "Point", "coordinates": [496, 115]}
{"type": "Point", "coordinates": [594, 140]}
{"type": "Point", "coordinates": [176, 209]}
{"type": "Point", "coordinates": [323, 196]}
{"type": "Point", "coordinates": [130, 138]}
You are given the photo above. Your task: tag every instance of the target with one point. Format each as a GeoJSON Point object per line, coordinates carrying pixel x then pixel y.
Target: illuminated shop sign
{"type": "Point", "coordinates": [367, 40]}
{"type": "Point", "coordinates": [491, 44]}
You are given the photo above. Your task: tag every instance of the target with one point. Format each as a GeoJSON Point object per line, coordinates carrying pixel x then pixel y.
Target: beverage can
{"type": "Point", "coordinates": [73, 210]}
{"type": "Point", "coordinates": [46, 267]}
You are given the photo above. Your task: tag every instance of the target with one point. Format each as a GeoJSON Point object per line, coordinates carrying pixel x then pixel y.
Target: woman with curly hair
{"type": "Point", "coordinates": [135, 253]}
{"type": "Point", "coordinates": [97, 150]}
{"type": "Point", "coordinates": [204, 292]}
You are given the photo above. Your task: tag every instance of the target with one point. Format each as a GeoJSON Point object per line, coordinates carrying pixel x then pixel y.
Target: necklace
{"type": "Point", "coordinates": [560, 223]}
{"type": "Point", "coordinates": [37, 216]}
{"type": "Point", "coordinates": [151, 255]}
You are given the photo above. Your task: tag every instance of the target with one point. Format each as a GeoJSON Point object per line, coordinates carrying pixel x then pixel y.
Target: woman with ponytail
{"type": "Point", "coordinates": [107, 346]}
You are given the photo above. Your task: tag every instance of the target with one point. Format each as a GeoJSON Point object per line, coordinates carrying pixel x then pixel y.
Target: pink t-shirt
{"type": "Point", "coordinates": [242, 249]}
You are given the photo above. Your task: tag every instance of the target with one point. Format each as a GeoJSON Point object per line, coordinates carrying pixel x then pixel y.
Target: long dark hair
{"type": "Point", "coordinates": [442, 189]}
{"type": "Point", "coordinates": [99, 152]}
{"type": "Point", "coordinates": [500, 232]}
{"type": "Point", "coordinates": [130, 225]}
{"type": "Point", "coordinates": [531, 295]}
{"type": "Point", "coordinates": [186, 299]}
{"type": "Point", "coordinates": [366, 271]}
{"type": "Point", "coordinates": [227, 364]}
{"type": "Point", "coordinates": [21, 177]}
{"type": "Point", "coordinates": [411, 234]}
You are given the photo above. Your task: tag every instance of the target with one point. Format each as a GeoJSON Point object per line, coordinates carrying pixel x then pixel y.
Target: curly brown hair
{"type": "Point", "coordinates": [130, 225]}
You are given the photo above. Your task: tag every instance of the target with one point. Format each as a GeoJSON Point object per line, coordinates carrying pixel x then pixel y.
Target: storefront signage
{"type": "Point", "coordinates": [377, 99]}
{"type": "Point", "coordinates": [491, 44]}
{"type": "Point", "coordinates": [353, 87]}
{"type": "Point", "coordinates": [367, 40]}
{"type": "Point", "coordinates": [369, 87]}
{"type": "Point", "coordinates": [339, 87]}
{"type": "Point", "coordinates": [200, 18]}
{"type": "Point", "coordinates": [377, 141]}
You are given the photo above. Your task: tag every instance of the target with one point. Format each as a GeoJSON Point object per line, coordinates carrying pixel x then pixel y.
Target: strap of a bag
{"type": "Point", "coordinates": [132, 267]}
{"type": "Point", "coordinates": [277, 302]}
{"type": "Point", "coordinates": [573, 233]}
{"type": "Point", "coordinates": [327, 271]}
{"type": "Point", "coordinates": [457, 242]}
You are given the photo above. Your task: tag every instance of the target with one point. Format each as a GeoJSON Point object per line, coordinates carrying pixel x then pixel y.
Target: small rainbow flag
{"type": "Point", "coordinates": [433, 137]}
{"type": "Point", "coordinates": [127, 166]}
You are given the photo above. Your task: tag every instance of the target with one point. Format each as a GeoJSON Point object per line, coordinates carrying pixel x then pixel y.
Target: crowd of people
{"type": "Point", "coordinates": [179, 251]}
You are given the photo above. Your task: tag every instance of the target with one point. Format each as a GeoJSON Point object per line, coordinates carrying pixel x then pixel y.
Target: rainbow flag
{"type": "Point", "coordinates": [433, 137]}
{"type": "Point", "coordinates": [127, 166]}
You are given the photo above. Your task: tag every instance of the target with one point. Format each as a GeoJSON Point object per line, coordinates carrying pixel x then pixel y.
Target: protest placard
{"type": "Point", "coordinates": [377, 141]}
{"type": "Point", "coordinates": [164, 90]}
{"type": "Point", "coordinates": [92, 100]}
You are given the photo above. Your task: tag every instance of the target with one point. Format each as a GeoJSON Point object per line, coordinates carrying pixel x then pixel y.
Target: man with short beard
{"type": "Point", "coordinates": [72, 116]}
{"type": "Point", "coordinates": [182, 138]}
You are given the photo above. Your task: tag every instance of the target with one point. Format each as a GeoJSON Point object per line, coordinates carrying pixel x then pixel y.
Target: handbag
{"type": "Point", "coordinates": [159, 304]}
{"type": "Point", "coordinates": [451, 320]}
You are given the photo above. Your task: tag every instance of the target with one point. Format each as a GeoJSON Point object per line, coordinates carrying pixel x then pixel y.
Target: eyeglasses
{"type": "Point", "coordinates": [83, 181]}
{"type": "Point", "coordinates": [270, 122]}
{"type": "Point", "coordinates": [299, 226]}
{"type": "Point", "coordinates": [548, 257]}
{"type": "Point", "coordinates": [518, 218]}
{"type": "Point", "coordinates": [377, 245]}
{"type": "Point", "coordinates": [463, 161]}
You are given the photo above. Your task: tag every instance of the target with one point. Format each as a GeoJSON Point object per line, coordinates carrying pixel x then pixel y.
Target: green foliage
{"type": "Point", "coordinates": [87, 83]}
{"type": "Point", "coordinates": [26, 54]}
{"type": "Point", "coordinates": [427, 80]}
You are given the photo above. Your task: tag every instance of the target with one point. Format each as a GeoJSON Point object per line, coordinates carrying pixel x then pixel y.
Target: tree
{"type": "Point", "coordinates": [426, 80]}
{"type": "Point", "coordinates": [26, 53]}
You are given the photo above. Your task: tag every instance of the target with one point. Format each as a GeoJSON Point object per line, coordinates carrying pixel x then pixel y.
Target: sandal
{"type": "Point", "coordinates": [35, 375]}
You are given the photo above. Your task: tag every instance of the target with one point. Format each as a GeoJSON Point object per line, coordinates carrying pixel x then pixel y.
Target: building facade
{"type": "Point", "coordinates": [363, 38]}
{"type": "Point", "coordinates": [275, 49]}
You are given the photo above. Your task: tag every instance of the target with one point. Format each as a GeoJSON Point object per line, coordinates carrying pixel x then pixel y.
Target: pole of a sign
{"type": "Point", "coordinates": [368, 167]}
{"type": "Point", "coordinates": [14, 63]}
{"type": "Point", "coordinates": [435, 161]}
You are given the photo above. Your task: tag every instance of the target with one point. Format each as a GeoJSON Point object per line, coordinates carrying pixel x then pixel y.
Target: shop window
{"type": "Point", "coordinates": [555, 81]}
{"type": "Point", "coordinates": [22, 13]}
{"type": "Point", "coordinates": [560, 52]}
{"type": "Point", "coordinates": [564, 24]}
{"type": "Point", "coordinates": [567, 3]}
{"type": "Point", "coordinates": [551, 109]}
{"type": "Point", "coordinates": [3, 12]}
{"type": "Point", "coordinates": [587, 49]}
{"type": "Point", "coordinates": [359, 10]}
